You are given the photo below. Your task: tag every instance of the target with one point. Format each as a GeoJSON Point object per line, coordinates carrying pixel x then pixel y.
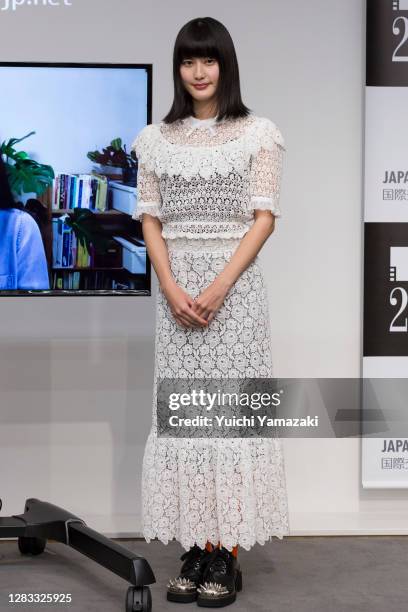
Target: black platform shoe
{"type": "Point", "coordinates": [183, 589]}
{"type": "Point", "coordinates": [221, 580]}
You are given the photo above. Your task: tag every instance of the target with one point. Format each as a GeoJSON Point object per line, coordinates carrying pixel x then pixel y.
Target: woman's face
{"type": "Point", "coordinates": [200, 70]}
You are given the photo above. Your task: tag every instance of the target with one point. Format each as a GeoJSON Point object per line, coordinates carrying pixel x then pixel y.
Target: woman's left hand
{"type": "Point", "coordinates": [211, 299]}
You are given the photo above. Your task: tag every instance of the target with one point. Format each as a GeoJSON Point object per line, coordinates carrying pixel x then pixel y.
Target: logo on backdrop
{"type": "Point", "coordinates": [387, 49]}
{"type": "Point", "coordinates": [13, 5]}
{"type": "Point", "coordinates": [386, 289]}
{"type": "Point", "coordinates": [395, 189]}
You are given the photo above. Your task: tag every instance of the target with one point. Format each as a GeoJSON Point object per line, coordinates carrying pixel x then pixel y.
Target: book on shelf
{"type": "Point", "coordinates": [67, 252]}
{"type": "Point", "coordinates": [80, 191]}
{"type": "Point", "coordinates": [66, 279]}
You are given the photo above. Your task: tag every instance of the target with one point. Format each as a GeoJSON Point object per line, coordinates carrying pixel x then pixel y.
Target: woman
{"type": "Point", "coordinates": [208, 193]}
{"type": "Point", "coordinates": [23, 264]}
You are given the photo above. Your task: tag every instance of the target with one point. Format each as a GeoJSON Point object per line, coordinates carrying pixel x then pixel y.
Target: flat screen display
{"type": "Point", "coordinates": [66, 132]}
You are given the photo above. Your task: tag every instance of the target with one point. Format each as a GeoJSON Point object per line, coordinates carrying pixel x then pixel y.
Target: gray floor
{"type": "Point", "coordinates": [302, 574]}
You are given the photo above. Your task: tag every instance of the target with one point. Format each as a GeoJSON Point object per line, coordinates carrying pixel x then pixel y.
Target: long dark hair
{"type": "Point", "coordinates": [207, 37]}
{"type": "Point", "coordinates": [6, 197]}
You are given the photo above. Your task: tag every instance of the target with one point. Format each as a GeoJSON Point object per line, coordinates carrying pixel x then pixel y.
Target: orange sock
{"type": "Point", "coordinates": [234, 551]}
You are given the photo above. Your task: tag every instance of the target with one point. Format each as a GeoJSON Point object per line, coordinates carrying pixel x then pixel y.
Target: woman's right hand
{"type": "Point", "coordinates": [181, 303]}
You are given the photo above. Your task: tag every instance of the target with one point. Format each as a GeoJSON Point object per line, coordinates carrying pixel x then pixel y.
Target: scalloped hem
{"type": "Point", "coordinates": [179, 234]}
{"type": "Point", "coordinates": [265, 203]}
{"type": "Point", "coordinates": [150, 208]}
{"type": "Point", "coordinates": [188, 543]}
{"type": "Point", "coordinates": [275, 212]}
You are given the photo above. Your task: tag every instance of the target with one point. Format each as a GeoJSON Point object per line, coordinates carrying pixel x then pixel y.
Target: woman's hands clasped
{"type": "Point", "coordinates": [197, 312]}
{"type": "Point", "coordinates": [211, 299]}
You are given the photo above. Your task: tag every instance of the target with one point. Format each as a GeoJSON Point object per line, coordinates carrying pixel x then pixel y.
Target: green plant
{"type": "Point", "coordinates": [114, 155]}
{"type": "Point", "coordinates": [88, 230]}
{"type": "Point", "coordinates": [25, 175]}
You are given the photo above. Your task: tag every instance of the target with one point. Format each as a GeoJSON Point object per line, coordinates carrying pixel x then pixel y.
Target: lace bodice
{"type": "Point", "coordinates": [203, 178]}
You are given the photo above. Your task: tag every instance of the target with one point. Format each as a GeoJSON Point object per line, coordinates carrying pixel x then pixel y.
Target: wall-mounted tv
{"type": "Point", "coordinates": [65, 140]}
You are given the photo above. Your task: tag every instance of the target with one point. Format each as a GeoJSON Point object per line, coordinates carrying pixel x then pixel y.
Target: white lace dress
{"type": "Point", "coordinates": [203, 180]}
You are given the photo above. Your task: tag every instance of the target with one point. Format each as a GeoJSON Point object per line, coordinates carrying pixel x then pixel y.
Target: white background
{"type": "Point", "coordinates": [386, 138]}
{"type": "Point", "coordinates": [76, 374]}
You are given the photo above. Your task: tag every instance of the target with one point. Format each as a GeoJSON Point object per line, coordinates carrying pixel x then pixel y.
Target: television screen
{"type": "Point", "coordinates": [65, 140]}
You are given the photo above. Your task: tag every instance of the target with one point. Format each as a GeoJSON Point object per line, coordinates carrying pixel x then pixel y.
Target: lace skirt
{"type": "Point", "coordinates": [231, 490]}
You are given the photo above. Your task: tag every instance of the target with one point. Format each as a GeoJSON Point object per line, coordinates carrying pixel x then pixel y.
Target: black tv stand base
{"type": "Point", "coordinates": [42, 521]}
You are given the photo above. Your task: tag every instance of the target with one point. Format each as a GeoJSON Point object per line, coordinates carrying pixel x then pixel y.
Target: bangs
{"type": "Point", "coordinates": [197, 41]}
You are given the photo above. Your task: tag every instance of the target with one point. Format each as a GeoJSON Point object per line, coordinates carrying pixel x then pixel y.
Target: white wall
{"type": "Point", "coordinates": [72, 111]}
{"type": "Point", "coordinates": [76, 374]}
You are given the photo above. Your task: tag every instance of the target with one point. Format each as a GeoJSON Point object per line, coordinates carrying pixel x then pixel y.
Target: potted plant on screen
{"type": "Point", "coordinates": [88, 230]}
{"type": "Point", "coordinates": [116, 156]}
{"type": "Point", "coordinates": [27, 177]}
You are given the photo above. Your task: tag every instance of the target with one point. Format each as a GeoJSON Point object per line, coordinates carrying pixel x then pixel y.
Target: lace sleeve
{"type": "Point", "coordinates": [266, 170]}
{"type": "Point", "coordinates": [148, 187]}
